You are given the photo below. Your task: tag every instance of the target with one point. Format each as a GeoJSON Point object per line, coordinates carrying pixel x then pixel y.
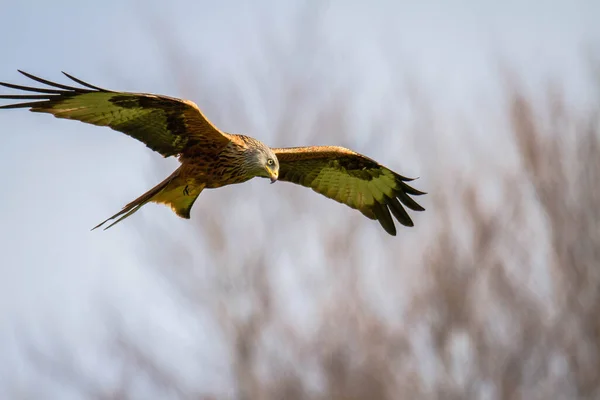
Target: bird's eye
{"type": "Point", "coordinates": [270, 161]}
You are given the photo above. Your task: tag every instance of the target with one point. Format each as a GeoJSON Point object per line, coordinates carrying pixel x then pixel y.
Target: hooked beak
{"type": "Point", "coordinates": [273, 176]}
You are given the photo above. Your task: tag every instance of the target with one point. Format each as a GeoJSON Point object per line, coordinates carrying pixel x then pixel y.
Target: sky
{"type": "Point", "coordinates": [60, 178]}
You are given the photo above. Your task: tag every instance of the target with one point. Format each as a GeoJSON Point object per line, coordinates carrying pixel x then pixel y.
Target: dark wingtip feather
{"type": "Point", "coordinates": [26, 96]}
{"type": "Point", "coordinates": [405, 179]}
{"type": "Point", "coordinates": [382, 213]}
{"type": "Point", "coordinates": [409, 189]}
{"type": "Point", "coordinates": [45, 93]}
{"type": "Point", "coordinates": [22, 105]}
{"type": "Point", "coordinates": [399, 212]}
{"type": "Point", "coordinates": [30, 89]}
{"type": "Point", "coordinates": [401, 181]}
{"type": "Point", "coordinates": [71, 77]}
{"type": "Point", "coordinates": [409, 202]}
{"type": "Point", "coordinates": [50, 83]}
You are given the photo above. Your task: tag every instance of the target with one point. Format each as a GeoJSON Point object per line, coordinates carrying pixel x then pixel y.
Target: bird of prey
{"type": "Point", "coordinates": [211, 158]}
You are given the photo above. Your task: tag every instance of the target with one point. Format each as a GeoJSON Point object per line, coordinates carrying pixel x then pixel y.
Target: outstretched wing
{"type": "Point", "coordinates": [352, 179]}
{"type": "Point", "coordinates": [165, 124]}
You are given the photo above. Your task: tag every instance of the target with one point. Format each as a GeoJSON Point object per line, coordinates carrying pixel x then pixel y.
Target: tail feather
{"type": "Point", "coordinates": [127, 210]}
{"type": "Point", "coordinates": [151, 195]}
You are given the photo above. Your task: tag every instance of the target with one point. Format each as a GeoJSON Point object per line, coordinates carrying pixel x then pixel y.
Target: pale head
{"type": "Point", "coordinates": [262, 161]}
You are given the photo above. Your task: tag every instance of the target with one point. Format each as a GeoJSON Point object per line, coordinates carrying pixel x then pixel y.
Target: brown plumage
{"type": "Point", "coordinates": [211, 158]}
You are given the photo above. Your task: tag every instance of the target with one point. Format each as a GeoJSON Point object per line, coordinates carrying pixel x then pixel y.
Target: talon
{"type": "Point", "coordinates": [186, 191]}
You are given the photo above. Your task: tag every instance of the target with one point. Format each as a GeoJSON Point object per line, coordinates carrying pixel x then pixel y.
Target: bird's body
{"type": "Point", "coordinates": [219, 167]}
{"type": "Point", "coordinates": [211, 158]}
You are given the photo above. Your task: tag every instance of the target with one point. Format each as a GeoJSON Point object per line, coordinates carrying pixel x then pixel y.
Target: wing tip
{"type": "Point", "coordinates": [83, 83]}
{"type": "Point", "coordinates": [408, 223]}
{"type": "Point", "coordinates": [390, 230]}
{"type": "Point", "coordinates": [100, 224]}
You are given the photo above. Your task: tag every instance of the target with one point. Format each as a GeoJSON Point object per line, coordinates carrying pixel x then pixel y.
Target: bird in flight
{"type": "Point", "coordinates": [211, 158]}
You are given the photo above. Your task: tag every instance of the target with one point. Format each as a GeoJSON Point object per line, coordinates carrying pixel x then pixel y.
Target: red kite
{"type": "Point", "coordinates": [211, 158]}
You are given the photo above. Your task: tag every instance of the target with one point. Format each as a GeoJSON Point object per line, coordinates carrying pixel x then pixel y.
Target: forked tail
{"type": "Point", "coordinates": [173, 191]}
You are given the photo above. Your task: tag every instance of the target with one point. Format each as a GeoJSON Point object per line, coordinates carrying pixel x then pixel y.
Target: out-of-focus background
{"type": "Point", "coordinates": [275, 292]}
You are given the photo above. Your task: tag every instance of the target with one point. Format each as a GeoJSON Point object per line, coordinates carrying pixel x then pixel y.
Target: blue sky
{"type": "Point", "coordinates": [60, 177]}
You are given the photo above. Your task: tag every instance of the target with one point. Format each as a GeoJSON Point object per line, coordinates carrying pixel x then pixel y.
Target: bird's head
{"type": "Point", "coordinates": [265, 163]}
